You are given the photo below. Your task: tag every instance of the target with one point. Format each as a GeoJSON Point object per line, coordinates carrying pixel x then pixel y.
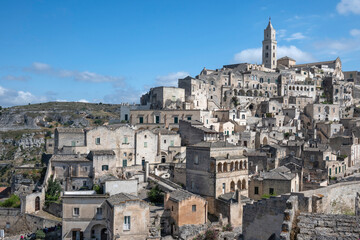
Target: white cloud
{"type": "Point", "coordinates": [281, 33]}
{"type": "Point", "coordinates": [295, 36]}
{"type": "Point", "coordinates": [10, 97]}
{"type": "Point", "coordinates": [348, 6]}
{"type": "Point", "coordinates": [339, 46]}
{"type": "Point", "coordinates": [355, 32]}
{"type": "Point", "coordinates": [40, 66]}
{"type": "Point", "coordinates": [83, 101]}
{"type": "Point", "coordinates": [170, 79]}
{"type": "Point", "coordinates": [85, 76]}
{"type": "Point", "coordinates": [254, 55]}
{"type": "Point", "coordinates": [295, 53]}
{"type": "Point", "coordinates": [16, 78]}
{"type": "Point", "coordinates": [251, 55]}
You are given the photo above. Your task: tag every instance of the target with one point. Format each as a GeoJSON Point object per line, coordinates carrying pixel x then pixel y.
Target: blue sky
{"type": "Point", "coordinates": [113, 51]}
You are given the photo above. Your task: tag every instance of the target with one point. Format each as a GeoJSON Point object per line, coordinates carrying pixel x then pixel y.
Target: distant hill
{"type": "Point", "coordinates": [56, 114]}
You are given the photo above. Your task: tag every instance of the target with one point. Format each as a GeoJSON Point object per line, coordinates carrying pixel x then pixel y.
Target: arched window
{"type": "Point", "coordinates": [236, 165]}
{"type": "Point", "coordinates": [225, 168]}
{"type": "Point", "coordinates": [239, 185]}
{"type": "Point", "coordinates": [232, 166]}
{"type": "Point", "coordinates": [219, 167]}
{"type": "Point", "coordinates": [241, 163]}
{"type": "Point", "coordinates": [37, 203]}
{"type": "Point", "coordinates": [232, 186]}
{"type": "Point", "coordinates": [243, 185]}
{"type": "Point", "coordinates": [243, 116]}
{"type": "Point", "coordinates": [245, 167]}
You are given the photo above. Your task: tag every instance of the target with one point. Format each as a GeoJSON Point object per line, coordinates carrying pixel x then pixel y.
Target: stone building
{"type": "Point", "coordinates": [184, 208]}
{"type": "Point", "coordinates": [269, 49]}
{"type": "Point", "coordinates": [164, 98]}
{"type": "Point", "coordinates": [323, 112]}
{"type": "Point", "coordinates": [87, 215]}
{"type": "Point", "coordinates": [73, 172]}
{"type": "Point", "coordinates": [215, 168]}
{"type": "Point", "coordinates": [196, 92]}
{"type": "Point", "coordinates": [275, 182]}
{"type": "Point", "coordinates": [193, 132]}
{"type": "Point", "coordinates": [146, 147]}
{"type": "Point", "coordinates": [168, 118]}
{"type": "Point", "coordinates": [68, 137]}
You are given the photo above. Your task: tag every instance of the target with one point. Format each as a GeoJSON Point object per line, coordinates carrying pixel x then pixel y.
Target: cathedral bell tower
{"type": "Point", "coordinates": [269, 47]}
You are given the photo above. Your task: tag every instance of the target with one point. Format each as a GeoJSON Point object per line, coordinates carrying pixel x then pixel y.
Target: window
{"type": "Point", "coordinates": [267, 47]}
{"type": "Point", "coordinates": [172, 143]}
{"type": "Point", "coordinates": [223, 188]}
{"type": "Point", "coordinates": [193, 208]}
{"type": "Point", "coordinates": [189, 118]}
{"type": "Point", "coordinates": [126, 223]}
{"type": "Point", "coordinates": [266, 55]}
{"type": "Point", "coordinates": [126, 117]}
{"type": "Point", "coordinates": [125, 154]}
{"type": "Point", "coordinates": [271, 191]}
{"type": "Point", "coordinates": [192, 185]}
{"type": "Point", "coordinates": [124, 163]}
{"type": "Point", "coordinates": [125, 140]}
{"type": "Point", "coordinates": [73, 144]}
{"type": "Point", "coordinates": [145, 144]}
{"type": "Point", "coordinates": [157, 119]}
{"type": "Point", "coordinates": [164, 141]}
{"type": "Point", "coordinates": [76, 212]}
{"type": "Point", "coordinates": [141, 119]}
{"type": "Point", "coordinates": [105, 167]}
{"type": "Point", "coordinates": [173, 98]}
{"type": "Point", "coordinates": [176, 119]}
{"type": "Point", "coordinates": [97, 141]}
{"type": "Point", "coordinates": [268, 80]}
{"type": "Point", "coordinates": [98, 211]}
{"type": "Point", "coordinates": [196, 160]}
{"type": "Point", "coordinates": [256, 190]}
{"type": "Point", "coordinates": [84, 183]}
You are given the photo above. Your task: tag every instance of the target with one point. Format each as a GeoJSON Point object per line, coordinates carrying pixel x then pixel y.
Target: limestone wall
{"type": "Point", "coordinates": [263, 218]}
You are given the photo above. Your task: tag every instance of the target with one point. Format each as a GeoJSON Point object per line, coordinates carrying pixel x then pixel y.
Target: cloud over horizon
{"type": "Point", "coordinates": [254, 55]}
{"type": "Point", "coordinates": [84, 76]}
{"type": "Point", "coordinates": [10, 97]}
{"type": "Point", "coordinates": [170, 79]}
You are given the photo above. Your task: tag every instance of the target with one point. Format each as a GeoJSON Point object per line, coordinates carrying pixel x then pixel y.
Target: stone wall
{"type": "Point", "coordinates": [14, 222]}
{"type": "Point", "coordinates": [121, 186]}
{"type": "Point", "coordinates": [263, 218]}
{"type": "Point", "coordinates": [321, 226]}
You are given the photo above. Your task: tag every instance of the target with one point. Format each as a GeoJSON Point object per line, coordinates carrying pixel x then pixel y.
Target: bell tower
{"type": "Point", "coordinates": [269, 47]}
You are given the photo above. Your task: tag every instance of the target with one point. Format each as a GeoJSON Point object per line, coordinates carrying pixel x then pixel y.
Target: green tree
{"type": "Point", "coordinates": [53, 190]}
{"type": "Point", "coordinates": [155, 195]}
{"type": "Point", "coordinates": [12, 202]}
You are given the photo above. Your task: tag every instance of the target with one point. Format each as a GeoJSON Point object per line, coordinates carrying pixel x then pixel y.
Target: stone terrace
{"type": "Point", "coordinates": [327, 226]}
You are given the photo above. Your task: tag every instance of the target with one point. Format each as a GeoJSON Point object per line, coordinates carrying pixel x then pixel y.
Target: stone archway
{"type": "Point", "coordinates": [265, 141]}
{"type": "Point", "coordinates": [104, 234]}
{"type": "Point", "coordinates": [99, 231]}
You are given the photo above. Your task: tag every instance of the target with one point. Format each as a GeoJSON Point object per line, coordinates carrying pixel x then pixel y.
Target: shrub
{"type": "Point", "coordinates": [155, 195]}
{"type": "Point", "coordinates": [40, 234]}
{"type": "Point", "coordinates": [98, 189]}
{"type": "Point", "coordinates": [227, 228]}
{"type": "Point", "coordinates": [211, 234]}
{"type": "Point", "coordinates": [12, 202]}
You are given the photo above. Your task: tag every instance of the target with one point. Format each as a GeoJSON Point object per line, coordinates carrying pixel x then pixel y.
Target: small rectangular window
{"type": "Point", "coordinates": [172, 143]}
{"type": "Point", "coordinates": [125, 140]}
{"type": "Point", "coordinates": [126, 223]}
{"type": "Point", "coordinates": [145, 144]}
{"type": "Point", "coordinates": [196, 160]}
{"type": "Point", "coordinates": [193, 208]}
{"type": "Point", "coordinates": [104, 167]}
{"type": "Point", "coordinates": [98, 211]}
{"type": "Point", "coordinates": [271, 191]}
{"type": "Point", "coordinates": [76, 212]}
{"type": "Point", "coordinates": [124, 163]}
{"type": "Point", "coordinates": [97, 141]}
{"type": "Point", "coordinates": [141, 119]}
{"type": "Point", "coordinates": [256, 190]}
{"type": "Point", "coordinates": [176, 120]}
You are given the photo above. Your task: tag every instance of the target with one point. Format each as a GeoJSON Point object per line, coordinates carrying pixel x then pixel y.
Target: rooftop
{"type": "Point", "coordinates": [121, 198]}
{"type": "Point", "coordinates": [180, 195]}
